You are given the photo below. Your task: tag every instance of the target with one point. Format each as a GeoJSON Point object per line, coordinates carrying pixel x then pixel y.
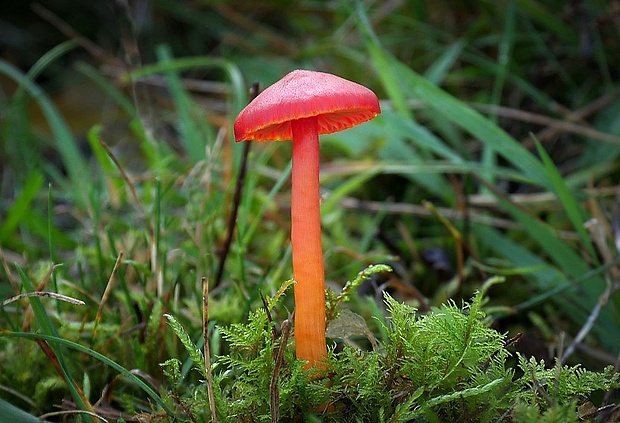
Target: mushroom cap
{"type": "Point", "coordinates": [336, 102]}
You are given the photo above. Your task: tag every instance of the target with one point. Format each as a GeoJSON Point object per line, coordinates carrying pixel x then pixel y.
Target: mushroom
{"type": "Point", "coordinates": [301, 106]}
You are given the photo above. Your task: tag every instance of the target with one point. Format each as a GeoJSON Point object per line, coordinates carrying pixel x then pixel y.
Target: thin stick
{"type": "Point", "coordinates": [416, 210]}
{"type": "Point", "coordinates": [596, 232]}
{"type": "Point", "coordinates": [232, 221]}
{"type": "Point", "coordinates": [274, 392]}
{"type": "Point", "coordinates": [72, 412]}
{"type": "Point", "coordinates": [124, 175]}
{"type": "Point", "coordinates": [551, 123]}
{"type": "Point", "coordinates": [577, 116]}
{"type": "Point", "coordinates": [587, 326]}
{"type": "Point", "coordinates": [206, 349]}
{"type": "Point", "coordinates": [107, 292]}
{"type": "Point", "coordinates": [458, 239]}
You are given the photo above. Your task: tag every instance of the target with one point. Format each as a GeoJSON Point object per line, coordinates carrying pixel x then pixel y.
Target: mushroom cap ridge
{"type": "Point", "coordinates": [337, 103]}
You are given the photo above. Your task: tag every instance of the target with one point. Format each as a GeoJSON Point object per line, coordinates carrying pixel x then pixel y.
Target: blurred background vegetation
{"type": "Point", "coordinates": [496, 154]}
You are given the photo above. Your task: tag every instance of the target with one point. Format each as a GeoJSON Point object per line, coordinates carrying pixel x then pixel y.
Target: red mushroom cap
{"type": "Point", "coordinates": [337, 103]}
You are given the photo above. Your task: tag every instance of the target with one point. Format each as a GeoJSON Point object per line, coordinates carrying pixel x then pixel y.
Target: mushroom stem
{"type": "Point", "coordinates": [306, 244]}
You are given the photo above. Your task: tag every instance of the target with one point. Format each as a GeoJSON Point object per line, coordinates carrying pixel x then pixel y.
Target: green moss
{"type": "Point", "coordinates": [445, 366]}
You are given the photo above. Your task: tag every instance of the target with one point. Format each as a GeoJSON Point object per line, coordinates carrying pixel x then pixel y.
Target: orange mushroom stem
{"type": "Point", "coordinates": [306, 243]}
{"type": "Point", "coordinates": [301, 106]}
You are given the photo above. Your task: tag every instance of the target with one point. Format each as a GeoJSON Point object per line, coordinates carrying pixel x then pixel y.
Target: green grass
{"type": "Point", "coordinates": [132, 213]}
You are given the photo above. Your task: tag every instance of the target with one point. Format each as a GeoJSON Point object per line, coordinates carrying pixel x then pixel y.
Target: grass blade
{"type": "Point", "coordinates": [438, 70]}
{"type": "Point", "coordinates": [238, 94]}
{"type": "Point", "coordinates": [571, 265]}
{"type": "Point", "coordinates": [454, 110]}
{"type": "Point", "coordinates": [557, 249]}
{"type": "Point", "coordinates": [192, 135]}
{"type": "Point", "coordinates": [49, 57]}
{"type": "Point", "coordinates": [187, 63]}
{"type": "Point", "coordinates": [98, 356]}
{"type": "Point", "coordinates": [345, 189]}
{"type": "Point", "coordinates": [109, 88]}
{"type": "Point", "coordinates": [10, 413]}
{"type": "Point", "coordinates": [48, 329]}
{"type": "Point", "coordinates": [575, 213]}
{"type": "Point", "coordinates": [489, 157]}
{"type": "Point", "coordinates": [549, 19]}
{"type": "Point", "coordinates": [67, 146]}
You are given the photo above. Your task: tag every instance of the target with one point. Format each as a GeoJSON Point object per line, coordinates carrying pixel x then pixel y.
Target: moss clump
{"type": "Point", "coordinates": [445, 366]}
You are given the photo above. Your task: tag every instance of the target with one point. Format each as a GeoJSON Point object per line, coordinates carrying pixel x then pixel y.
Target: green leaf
{"type": "Point", "coordinates": [348, 324]}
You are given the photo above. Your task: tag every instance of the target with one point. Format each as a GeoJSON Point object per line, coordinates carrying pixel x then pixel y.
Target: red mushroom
{"type": "Point", "coordinates": [301, 106]}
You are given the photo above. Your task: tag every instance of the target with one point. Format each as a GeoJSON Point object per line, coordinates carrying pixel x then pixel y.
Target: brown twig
{"type": "Point", "coordinates": [456, 235]}
{"type": "Point", "coordinates": [65, 413]}
{"type": "Point", "coordinates": [595, 228]}
{"type": "Point", "coordinates": [206, 348]}
{"type": "Point", "coordinates": [274, 392]}
{"type": "Point", "coordinates": [416, 210]}
{"type": "Point", "coordinates": [232, 221]}
{"type": "Point", "coordinates": [53, 359]}
{"type": "Point", "coordinates": [551, 123]}
{"type": "Point", "coordinates": [107, 292]}
{"type": "Point", "coordinates": [577, 115]}
{"type": "Point", "coordinates": [124, 175]}
{"type": "Point", "coordinates": [573, 121]}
